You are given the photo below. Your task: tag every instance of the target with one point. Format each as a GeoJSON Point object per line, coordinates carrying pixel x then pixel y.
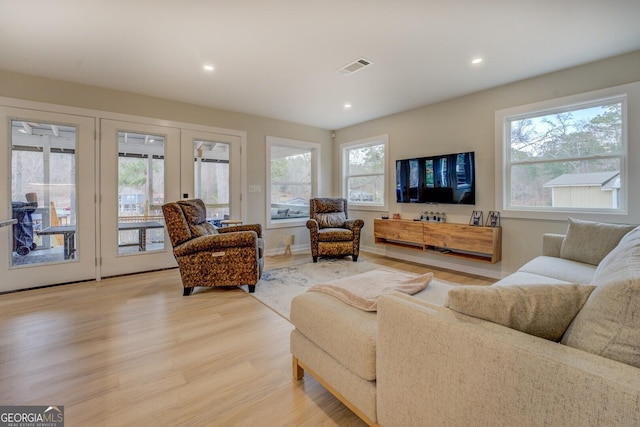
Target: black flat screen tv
{"type": "Point", "coordinates": [449, 179]}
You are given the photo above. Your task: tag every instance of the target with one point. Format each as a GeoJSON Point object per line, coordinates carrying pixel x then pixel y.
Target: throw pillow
{"type": "Point", "coordinates": [326, 205]}
{"type": "Point", "coordinates": [542, 310]}
{"type": "Point", "coordinates": [331, 220]}
{"type": "Point", "coordinates": [195, 214]}
{"type": "Point", "coordinates": [609, 322]}
{"type": "Point", "coordinates": [578, 244]}
{"type": "Point", "coordinates": [194, 210]}
{"type": "Point", "coordinates": [202, 229]}
{"type": "Point", "coordinates": [604, 268]}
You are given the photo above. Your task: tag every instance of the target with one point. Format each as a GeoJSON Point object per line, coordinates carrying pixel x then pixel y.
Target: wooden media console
{"type": "Point", "coordinates": [458, 240]}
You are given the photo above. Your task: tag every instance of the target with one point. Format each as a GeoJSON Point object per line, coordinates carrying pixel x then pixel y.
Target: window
{"type": "Point", "coordinates": [292, 177]}
{"type": "Point", "coordinates": [567, 155]}
{"type": "Point", "coordinates": [364, 165]}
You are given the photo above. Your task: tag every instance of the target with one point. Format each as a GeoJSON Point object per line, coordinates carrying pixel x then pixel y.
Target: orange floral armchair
{"type": "Point", "coordinates": [331, 231]}
{"type": "Point", "coordinates": [206, 256]}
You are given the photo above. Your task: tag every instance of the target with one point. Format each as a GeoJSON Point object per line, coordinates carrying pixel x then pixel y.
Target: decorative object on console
{"type": "Point", "coordinates": [396, 216]}
{"type": "Point", "coordinates": [476, 218]}
{"type": "Point", "coordinates": [493, 219]}
{"type": "Point", "coordinates": [433, 216]}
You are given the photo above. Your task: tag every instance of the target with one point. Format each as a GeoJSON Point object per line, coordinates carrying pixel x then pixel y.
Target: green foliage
{"type": "Point", "coordinates": [132, 172]}
{"type": "Point", "coordinates": [545, 147]}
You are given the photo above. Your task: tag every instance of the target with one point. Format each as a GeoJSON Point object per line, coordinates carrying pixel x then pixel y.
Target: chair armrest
{"type": "Point", "coordinates": [352, 224]}
{"type": "Point", "coordinates": [246, 227]}
{"type": "Point", "coordinates": [439, 367]}
{"type": "Point", "coordinates": [312, 225]}
{"type": "Point", "coordinates": [217, 242]}
{"type": "Point", "coordinates": [551, 244]}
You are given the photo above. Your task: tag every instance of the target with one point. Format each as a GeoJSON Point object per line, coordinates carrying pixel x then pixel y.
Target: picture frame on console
{"type": "Point", "coordinates": [493, 219]}
{"type": "Point", "coordinates": [476, 219]}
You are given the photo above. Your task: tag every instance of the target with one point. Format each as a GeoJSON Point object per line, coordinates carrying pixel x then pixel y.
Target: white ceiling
{"type": "Point", "coordinates": [279, 58]}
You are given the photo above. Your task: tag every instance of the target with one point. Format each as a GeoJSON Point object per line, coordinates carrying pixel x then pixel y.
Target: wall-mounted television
{"type": "Point", "coordinates": [449, 178]}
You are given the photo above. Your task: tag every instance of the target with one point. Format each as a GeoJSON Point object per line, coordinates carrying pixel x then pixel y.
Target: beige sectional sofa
{"type": "Point", "coordinates": [448, 358]}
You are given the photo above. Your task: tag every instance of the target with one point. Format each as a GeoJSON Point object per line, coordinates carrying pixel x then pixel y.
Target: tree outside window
{"type": "Point", "coordinates": [567, 158]}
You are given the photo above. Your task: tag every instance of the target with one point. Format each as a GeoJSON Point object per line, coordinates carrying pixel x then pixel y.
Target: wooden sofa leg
{"type": "Point", "coordinates": [187, 292]}
{"type": "Point", "coordinates": [298, 372]}
{"type": "Point", "coordinates": [252, 288]}
{"type": "Point", "coordinates": [355, 258]}
{"type": "Point", "coordinates": [315, 259]}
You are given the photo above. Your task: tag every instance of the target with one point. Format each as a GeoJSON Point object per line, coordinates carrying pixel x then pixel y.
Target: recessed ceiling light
{"type": "Point", "coordinates": [347, 105]}
{"type": "Point", "coordinates": [208, 67]}
{"type": "Point", "coordinates": [476, 60]}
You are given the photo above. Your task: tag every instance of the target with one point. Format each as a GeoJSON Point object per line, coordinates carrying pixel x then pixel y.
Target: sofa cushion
{"type": "Point", "coordinates": [331, 219]}
{"type": "Point", "coordinates": [578, 244]}
{"type": "Point", "coordinates": [559, 269]}
{"type": "Point", "coordinates": [608, 263]}
{"type": "Point", "coordinates": [335, 235]}
{"type": "Point", "coordinates": [609, 322]}
{"type": "Point", "coordinates": [320, 317]}
{"type": "Point", "coordinates": [542, 310]}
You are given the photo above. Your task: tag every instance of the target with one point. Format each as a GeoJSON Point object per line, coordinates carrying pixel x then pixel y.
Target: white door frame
{"type": "Point", "coordinates": [82, 266]}
{"type": "Point", "coordinates": [94, 272]}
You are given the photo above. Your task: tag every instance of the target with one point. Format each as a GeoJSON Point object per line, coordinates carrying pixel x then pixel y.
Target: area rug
{"type": "Point", "coordinates": [277, 287]}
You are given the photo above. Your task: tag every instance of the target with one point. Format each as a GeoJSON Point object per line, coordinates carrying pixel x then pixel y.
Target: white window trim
{"type": "Point", "coordinates": [344, 167]}
{"type": "Point", "coordinates": [314, 147]}
{"type": "Point", "coordinates": [629, 95]}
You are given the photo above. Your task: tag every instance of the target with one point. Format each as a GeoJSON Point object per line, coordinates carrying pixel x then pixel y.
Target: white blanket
{"type": "Point", "coordinates": [363, 290]}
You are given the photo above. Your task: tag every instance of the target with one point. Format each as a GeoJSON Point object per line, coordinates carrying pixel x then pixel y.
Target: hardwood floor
{"type": "Point", "coordinates": [133, 351]}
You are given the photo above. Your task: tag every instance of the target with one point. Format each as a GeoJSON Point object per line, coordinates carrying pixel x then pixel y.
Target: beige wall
{"type": "Point", "coordinates": [25, 87]}
{"type": "Point", "coordinates": [467, 123]}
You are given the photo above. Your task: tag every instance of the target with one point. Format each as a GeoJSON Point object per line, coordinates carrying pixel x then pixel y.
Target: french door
{"type": "Point", "coordinates": [140, 171]}
{"type": "Point", "coordinates": [49, 189]}
{"type": "Point", "coordinates": [211, 171]}
{"type": "Point", "coordinates": [85, 212]}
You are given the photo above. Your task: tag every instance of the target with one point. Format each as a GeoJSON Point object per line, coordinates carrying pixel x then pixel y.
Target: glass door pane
{"type": "Point", "coordinates": [211, 178]}
{"type": "Point", "coordinates": [140, 192]}
{"type": "Point", "coordinates": [43, 192]}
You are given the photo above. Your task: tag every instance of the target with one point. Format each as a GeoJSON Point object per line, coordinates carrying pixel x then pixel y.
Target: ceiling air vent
{"type": "Point", "coordinates": [354, 66]}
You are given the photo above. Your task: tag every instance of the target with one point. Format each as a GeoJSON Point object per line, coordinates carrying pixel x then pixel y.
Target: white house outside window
{"type": "Point", "coordinates": [364, 165]}
{"type": "Point", "coordinates": [567, 157]}
{"type": "Point", "coordinates": [292, 177]}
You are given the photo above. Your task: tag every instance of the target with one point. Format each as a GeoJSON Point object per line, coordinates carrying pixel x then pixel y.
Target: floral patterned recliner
{"type": "Point", "coordinates": [332, 232]}
{"type": "Point", "coordinates": [229, 256]}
